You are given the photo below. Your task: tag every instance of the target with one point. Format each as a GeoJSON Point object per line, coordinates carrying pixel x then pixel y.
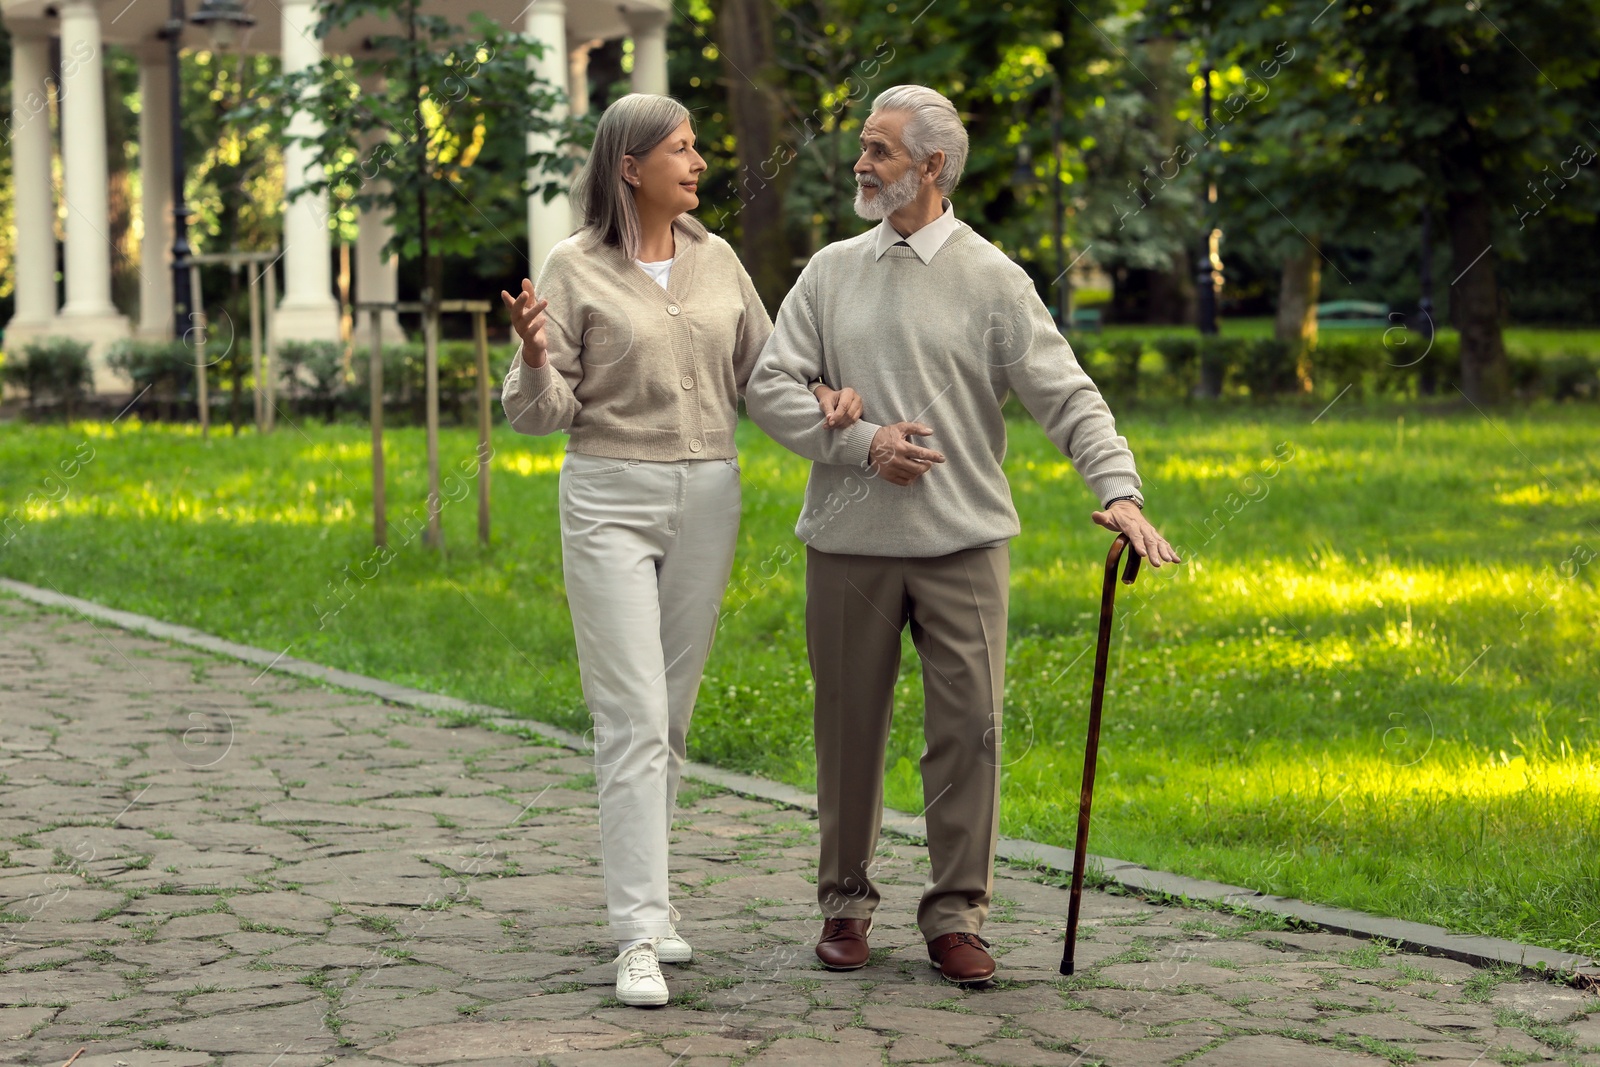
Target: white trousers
{"type": "Point", "coordinates": [647, 549]}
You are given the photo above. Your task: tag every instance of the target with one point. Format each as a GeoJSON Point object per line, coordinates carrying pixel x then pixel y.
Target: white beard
{"type": "Point", "coordinates": [890, 198]}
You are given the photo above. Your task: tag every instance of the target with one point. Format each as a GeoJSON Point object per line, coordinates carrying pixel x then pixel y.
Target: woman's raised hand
{"type": "Point", "coordinates": [528, 320]}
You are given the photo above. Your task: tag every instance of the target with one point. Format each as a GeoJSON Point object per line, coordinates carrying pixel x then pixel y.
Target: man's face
{"type": "Point", "coordinates": [887, 178]}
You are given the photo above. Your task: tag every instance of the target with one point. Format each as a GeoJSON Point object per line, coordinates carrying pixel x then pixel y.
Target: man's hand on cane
{"type": "Point", "coordinates": [1124, 516]}
{"type": "Point", "coordinates": [897, 459]}
{"type": "Point", "coordinates": [528, 320]}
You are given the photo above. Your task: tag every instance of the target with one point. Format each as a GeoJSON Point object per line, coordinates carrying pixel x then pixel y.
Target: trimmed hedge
{"type": "Point", "coordinates": [50, 371]}
{"type": "Point", "coordinates": [1178, 367]}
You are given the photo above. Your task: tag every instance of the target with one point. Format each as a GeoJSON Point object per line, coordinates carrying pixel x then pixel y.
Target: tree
{"type": "Point", "coordinates": [428, 125]}
{"type": "Point", "coordinates": [1442, 99]}
{"type": "Point", "coordinates": [754, 80]}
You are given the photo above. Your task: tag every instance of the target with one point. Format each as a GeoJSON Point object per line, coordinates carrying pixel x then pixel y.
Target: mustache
{"type": "Point", "coordinates": [868, 181]}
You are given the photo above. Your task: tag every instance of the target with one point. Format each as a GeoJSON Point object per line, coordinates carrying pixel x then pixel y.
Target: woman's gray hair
{"type": "Point", "coordinates": [934, 126]}
{"type": "Point", "coordinates": [632, 126]}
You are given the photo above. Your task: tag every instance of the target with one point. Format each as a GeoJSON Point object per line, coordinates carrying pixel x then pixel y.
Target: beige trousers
{"type": "Point", "coordinates": [856, 608]}
{"type": "Point", "coordinates": [646, 549]}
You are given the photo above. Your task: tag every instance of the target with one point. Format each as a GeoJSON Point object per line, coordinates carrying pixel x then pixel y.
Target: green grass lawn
{"type": "Point", "coordinates": [1375, 683]}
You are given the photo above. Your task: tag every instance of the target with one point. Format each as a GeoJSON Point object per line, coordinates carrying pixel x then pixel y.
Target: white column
{"type": "Point", "coordinates": [309, 311]}
{"type": "Point", "coordinates": [649, 32]}
{"type": "Point", "coordinates": [88, 313]}
{"type": "Point", "coordinates": [548, 224]}
{"type": "Point", "coordinates": [34, 268]}
{"type": "Point", "coordinates": [377, 277]}
{"type": "Point", "coordinates": [155, 209]}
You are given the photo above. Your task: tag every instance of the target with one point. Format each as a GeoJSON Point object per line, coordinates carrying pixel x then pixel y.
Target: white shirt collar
{"type": "Point", "coordinates": [926, 241]}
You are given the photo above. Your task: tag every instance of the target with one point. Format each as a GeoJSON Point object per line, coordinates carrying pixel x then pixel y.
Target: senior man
{"type": "Point", "coordinates": [930, 327]}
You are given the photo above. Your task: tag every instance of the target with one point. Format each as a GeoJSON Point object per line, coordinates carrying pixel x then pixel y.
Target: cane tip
{"type": "Point", "coordinates": [1066, 968]}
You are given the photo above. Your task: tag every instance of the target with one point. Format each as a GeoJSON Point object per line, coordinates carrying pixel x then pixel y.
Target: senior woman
{"type": "Point", "coordinates": [638, 341]}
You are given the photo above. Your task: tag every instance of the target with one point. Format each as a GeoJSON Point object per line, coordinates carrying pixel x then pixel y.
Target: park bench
{"type": "Point", "coordinates": [1086, 320]}
{"type": "Point", "coordinates": [1352, 314]}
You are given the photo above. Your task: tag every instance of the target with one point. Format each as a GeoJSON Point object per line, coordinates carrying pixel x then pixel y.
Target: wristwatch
{"type": "Point", "coordinates": [1134, 499]}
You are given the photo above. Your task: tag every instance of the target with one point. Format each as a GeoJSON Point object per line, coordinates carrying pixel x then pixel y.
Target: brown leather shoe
{"type": "Point", "coordinates": [843, 944]}
{"type": "Point", "coordinates": [961, 958]}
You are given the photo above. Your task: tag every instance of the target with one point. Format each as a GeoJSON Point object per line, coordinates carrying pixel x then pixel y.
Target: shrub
{"type": "Point", "coordinates": [1181, 357]}
{"type": "Point", "coordinates": [1125, 353]}
{"type": "Point", "coordinates": [1218, 356]}
{"type": "Point", "coordinates": [1269, 367]}
{"type": "Point", "coordinates": [51, 369]}
{"type": "Point", "coordinates": [316, 367]}
{"type": "Point", "coordinates": [165, 368]}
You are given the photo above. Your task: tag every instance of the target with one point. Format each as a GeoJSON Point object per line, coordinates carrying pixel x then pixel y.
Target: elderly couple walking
{"type": "Point", "coordinates": [641, 336]}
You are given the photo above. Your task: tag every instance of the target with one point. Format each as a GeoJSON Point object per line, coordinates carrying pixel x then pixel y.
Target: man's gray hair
{"type": "Point", "coordinates": [934, 126]}
{"type": "Point", "coordinates": [631, 126]}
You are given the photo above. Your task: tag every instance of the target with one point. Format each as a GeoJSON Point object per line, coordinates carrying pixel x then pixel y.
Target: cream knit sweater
{"type": "Point", "coordinates": [635, 371]}
{"type": "Point", "coordinates": [941, 343]}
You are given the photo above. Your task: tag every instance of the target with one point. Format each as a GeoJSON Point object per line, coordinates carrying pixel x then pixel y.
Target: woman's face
{"type": "Point", "coordinates": [666, 179]}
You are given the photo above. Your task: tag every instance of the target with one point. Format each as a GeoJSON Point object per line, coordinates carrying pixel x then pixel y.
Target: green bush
{"type": "Point", "coordinates": [51, 369]}
{"type": "Point", "coordinates": [165, 368]}
{"type": "Point", "coordinates": [1125, 353]}
{"type": "Point", "coordinates": [1268, 367]}
{"type": "Point", "coordinates": [317, 373]}
{"type": "Point", "coordinates": [315, 368]}
{"type": "Point", "coordinates": [1220, 357]}
{"type": "Point", "coordinates": [1181, 355]}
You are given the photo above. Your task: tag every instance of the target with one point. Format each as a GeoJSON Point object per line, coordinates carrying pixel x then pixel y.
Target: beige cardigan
{"type": "Point", "coordinates": [635, 371]}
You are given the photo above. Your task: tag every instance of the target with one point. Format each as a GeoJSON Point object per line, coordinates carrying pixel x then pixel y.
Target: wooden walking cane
{"type": "Point", "coordinates": [1091, 748]}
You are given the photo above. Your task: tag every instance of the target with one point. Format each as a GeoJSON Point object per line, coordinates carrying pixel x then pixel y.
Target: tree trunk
{"type": "Point", "coordinates": [744, 36]}
{"type": "Point", "coordinates": [1475, 299]}
{"type": "Point", "coordinates": [1299, 290]}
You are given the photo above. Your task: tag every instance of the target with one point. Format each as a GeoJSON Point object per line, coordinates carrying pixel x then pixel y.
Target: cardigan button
{"type": "Point", "coordinates": [672, 309]}
{"type": "Point", "coordinates": [688, 382]}
{"type": "Point", "coordinates": [694, 444]}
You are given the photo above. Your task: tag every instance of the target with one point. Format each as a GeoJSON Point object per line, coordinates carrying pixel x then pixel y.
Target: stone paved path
{"type": "Point", "coordinates": [207, 866]}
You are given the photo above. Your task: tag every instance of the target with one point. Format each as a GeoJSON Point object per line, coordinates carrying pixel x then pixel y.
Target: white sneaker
{"type": "Point", "coordinates": [672, 948]}
{"type": "Point", "coordinates": [639, 981]}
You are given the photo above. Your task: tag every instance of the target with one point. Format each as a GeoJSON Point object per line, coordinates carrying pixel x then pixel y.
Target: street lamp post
{"type": "Point", "coordinates": [221, 17]}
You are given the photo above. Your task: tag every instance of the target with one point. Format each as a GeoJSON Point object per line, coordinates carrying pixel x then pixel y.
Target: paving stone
{"type": "Point", "coordinates": [708, 1045]}
{"type": "Point", "coordinates": [1450, 1050]}
{"type": "Point", "coordinates": [165, 957]}
{"type": "Point", "coordinates": [1140, 1052]}
{"type": "Point", "coordinates": [248, 999]}
{"type": "Point", "coordinates": [144, 1058]}
{"type": "Point", "coordinates": [1384, 1027]}
{"type": "Point", "coordinates": [457, 1042]}
{"type": "Point", "coordinates": [954, 1028]}
{"type": "Point", "coordinates": [1280, 1052]}
{"type": "Point", "coordinates": [288, 911]}
{"type": "Point", "coordinates": [622, 1057]}
{"type": "Point", "coordinates": [1013, 1052]}
{"type": "Point", "coordinates": [291, 1028]}
{"type": "Point", "coordinates": [1544, 1001]}
{"type": "Point", "coordinates": [1153, 1007]}
{"type": "Point", "coordinates": [804, 1050]}
{"type": "Point", "coordinates": [916, 1049]}
{"type": "Point", "coordinates": [18, 1023]}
